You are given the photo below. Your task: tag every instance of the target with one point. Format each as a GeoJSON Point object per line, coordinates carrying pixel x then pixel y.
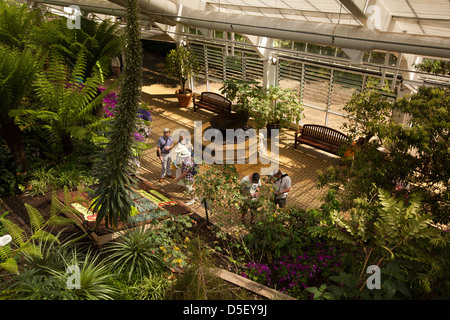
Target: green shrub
{"type": "Point", "coordinates": [285, 232]}
{"type": "Point", "coordinates": [136, 254]}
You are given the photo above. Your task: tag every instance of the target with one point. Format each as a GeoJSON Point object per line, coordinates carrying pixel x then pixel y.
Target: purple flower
{"type": "Point", "coordinates": [139, 137]}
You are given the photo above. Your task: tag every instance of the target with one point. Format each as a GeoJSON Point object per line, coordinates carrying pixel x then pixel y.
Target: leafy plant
{"type": "Point", "coordinates": [33, 285]}
{"type": "Point", "coordinates": [18, 70]}
{"type": "Point", "coordinates": [25, 244]}
{"type": "Point", "coordinates": [272, 105]}
{"type": "Point", "coordinates": [198, 282]}
{"type": "Point", "coordinates": [17, 24]}
{"type": "Point", "coordinates": [276, 105]}
{"type": "Point", "coordinates": [285, 232]}
{"type": "Point", "coordinates": [136, 254]}
{"type": "Point", "coordinates": [94, 276]}
{"type": "Point", "coordinates": [414, 155]}
{"type": "Point", "coordinates": [67, 104]}
{"type": "Point", "coordinates": [320, 293]}
{"type": "Point", "coordinates": [182, 63]}
{"type": "Point", "coordinates": [149, 288]}
{"type": "Point", "coordinates": [390, 229]}
{"type": "Point", "coordinates": [100, 40]}
{"type": "Point", "coordinates": [219, 185]}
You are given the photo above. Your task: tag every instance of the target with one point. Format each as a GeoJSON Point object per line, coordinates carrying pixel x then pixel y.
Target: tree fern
{"type": "Point", "coordinates": [16, 24]}
{"type": "Point", "coordinates": [17, 73]}
{"type": "Point", "coordinates": [101, 41]}
{"type": "Point", "coordinates": [68, 101]}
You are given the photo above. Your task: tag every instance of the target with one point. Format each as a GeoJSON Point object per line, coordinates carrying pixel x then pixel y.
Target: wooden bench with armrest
{"type": "Point", "coordinates": [321, 137]}
{"type": "Point", "coordinates": [213, 102]}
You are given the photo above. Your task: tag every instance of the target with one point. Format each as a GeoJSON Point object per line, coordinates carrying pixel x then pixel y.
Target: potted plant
{"type": "Point", "coordinates": [240, 92]}
{"type": "Point", "coordinates": [276, 107]}
{"type": "Point", "coordinates": [182, 63]}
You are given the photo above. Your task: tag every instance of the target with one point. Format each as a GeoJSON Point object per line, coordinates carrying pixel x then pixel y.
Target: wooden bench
{"type": "Point", "coordinates": [213, 102]}
{"type": "Point", "coordinates": [320, 137]}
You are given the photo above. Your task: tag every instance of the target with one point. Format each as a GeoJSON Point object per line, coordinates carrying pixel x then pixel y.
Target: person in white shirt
{"type": "Point", "coordinates": [251, 184]}
{"type": "Point", "coordinates": [282, 186]}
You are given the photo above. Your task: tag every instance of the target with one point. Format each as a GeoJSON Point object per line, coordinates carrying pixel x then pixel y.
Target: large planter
{"type": "Point", "coordinates": [184, 99]}
{"type": "Point", "coordinates": [271, 126]}
{"type": "Point", "coordinates": [152, 205]}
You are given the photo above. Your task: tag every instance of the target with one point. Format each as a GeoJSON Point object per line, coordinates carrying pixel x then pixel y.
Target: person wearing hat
{"type": "Point", "coordinates": [282, 185]}
{"type": "Point", "coordinates": [164, 145]}
{"type": "Point", "coordinates": [186, 177]}
{"type": "Point", "coordinates": [251, 184]}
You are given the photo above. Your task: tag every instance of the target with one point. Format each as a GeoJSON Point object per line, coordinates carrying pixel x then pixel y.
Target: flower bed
{"type": "Point", "coordinates": [291, 275]}
{"type": "Point", "coordinates": [150, 204]}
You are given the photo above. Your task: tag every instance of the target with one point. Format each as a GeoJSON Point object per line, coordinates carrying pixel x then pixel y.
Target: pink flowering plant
{"type": "Point", "coordinates": [143, 123]}
{"type": "Point", "coordinates": [293, 274]}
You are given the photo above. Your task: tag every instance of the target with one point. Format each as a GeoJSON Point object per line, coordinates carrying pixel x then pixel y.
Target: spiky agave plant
{"type": "Point", "coordinates": [112, 196]}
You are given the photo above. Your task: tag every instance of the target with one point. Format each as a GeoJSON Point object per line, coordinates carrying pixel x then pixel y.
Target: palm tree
{"type": "Point", "coordinates": [17, 73]}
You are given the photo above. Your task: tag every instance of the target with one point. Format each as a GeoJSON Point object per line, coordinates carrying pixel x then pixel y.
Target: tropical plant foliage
{"type": "Point", "coordinates": [415, 156]}
{"type": "Point", "coordinates": [17, 24]}
{"type": "Point", "coordinates": [101, 41]}
{"type": "Point", "coordinates": [67, 103]}
{"type": "Point", "coordinates": [272, 105]}
{"type": "Point", "coordinates": [18, 70]}
{"type": "Point", "coordinates": [27, 244]}
{"type": "Point", "coordinates": [389, 229]}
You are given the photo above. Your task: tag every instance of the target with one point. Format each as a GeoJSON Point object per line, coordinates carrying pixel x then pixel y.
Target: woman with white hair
{"type": "Point", "coordinates": [186, 177]}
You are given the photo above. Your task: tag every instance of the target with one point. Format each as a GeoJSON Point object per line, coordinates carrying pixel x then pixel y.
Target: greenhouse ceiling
{"type": "Point", "coordinates": [410, 26]}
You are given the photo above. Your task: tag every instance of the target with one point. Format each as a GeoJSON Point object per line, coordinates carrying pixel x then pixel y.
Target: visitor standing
{"type": "Point", "coordinates": [282, 185]}
{"type": "Point", "coordinates": [186, 177]}
{"type": "Point", "coordinates": [164, 145]}
{"type": "Point", "coordinates": [251, 184]}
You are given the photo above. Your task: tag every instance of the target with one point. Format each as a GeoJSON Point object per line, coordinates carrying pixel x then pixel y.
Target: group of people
{"type": "Point", "coordinates": [186, 169]}
{"type": "Point", "coordinates": [183, 161]}
{"type": "Point", "coordinates": [251, 183]}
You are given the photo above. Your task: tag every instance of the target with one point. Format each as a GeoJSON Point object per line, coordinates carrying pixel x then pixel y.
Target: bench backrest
{"type": "Point", "coordinates": [215, 99]}
{"type": "Point", "coordinates": [324, 133]}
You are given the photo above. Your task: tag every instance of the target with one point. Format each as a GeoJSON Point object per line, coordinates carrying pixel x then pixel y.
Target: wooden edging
{"type": "Point", "coordinates": [250, 285]}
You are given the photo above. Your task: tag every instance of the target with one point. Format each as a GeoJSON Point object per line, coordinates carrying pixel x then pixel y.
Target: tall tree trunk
{"type": "Point", "coordinates": [13, 137]}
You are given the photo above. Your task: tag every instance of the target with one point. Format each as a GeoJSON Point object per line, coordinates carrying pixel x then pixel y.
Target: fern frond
{"type": "Point", "coordinates": [44, 236]}
{"type": "Point", "coordinates": [10, 265]}
{"type": "Point", "coordinates": [36, 218]}
{"type": "Point", "coordinates": [17, 233]}
{"type": "Point", "coordinates": [58, 221]}
{"type": "Point", "coordinates": [5, 252]}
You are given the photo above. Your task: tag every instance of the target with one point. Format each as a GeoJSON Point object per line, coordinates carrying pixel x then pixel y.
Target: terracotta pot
{"type": "Point", "coordinates": [184, 98]}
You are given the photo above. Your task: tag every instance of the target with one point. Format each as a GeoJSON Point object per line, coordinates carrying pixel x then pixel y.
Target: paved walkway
{"type": "Point", "coordinates": [301, 164]}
